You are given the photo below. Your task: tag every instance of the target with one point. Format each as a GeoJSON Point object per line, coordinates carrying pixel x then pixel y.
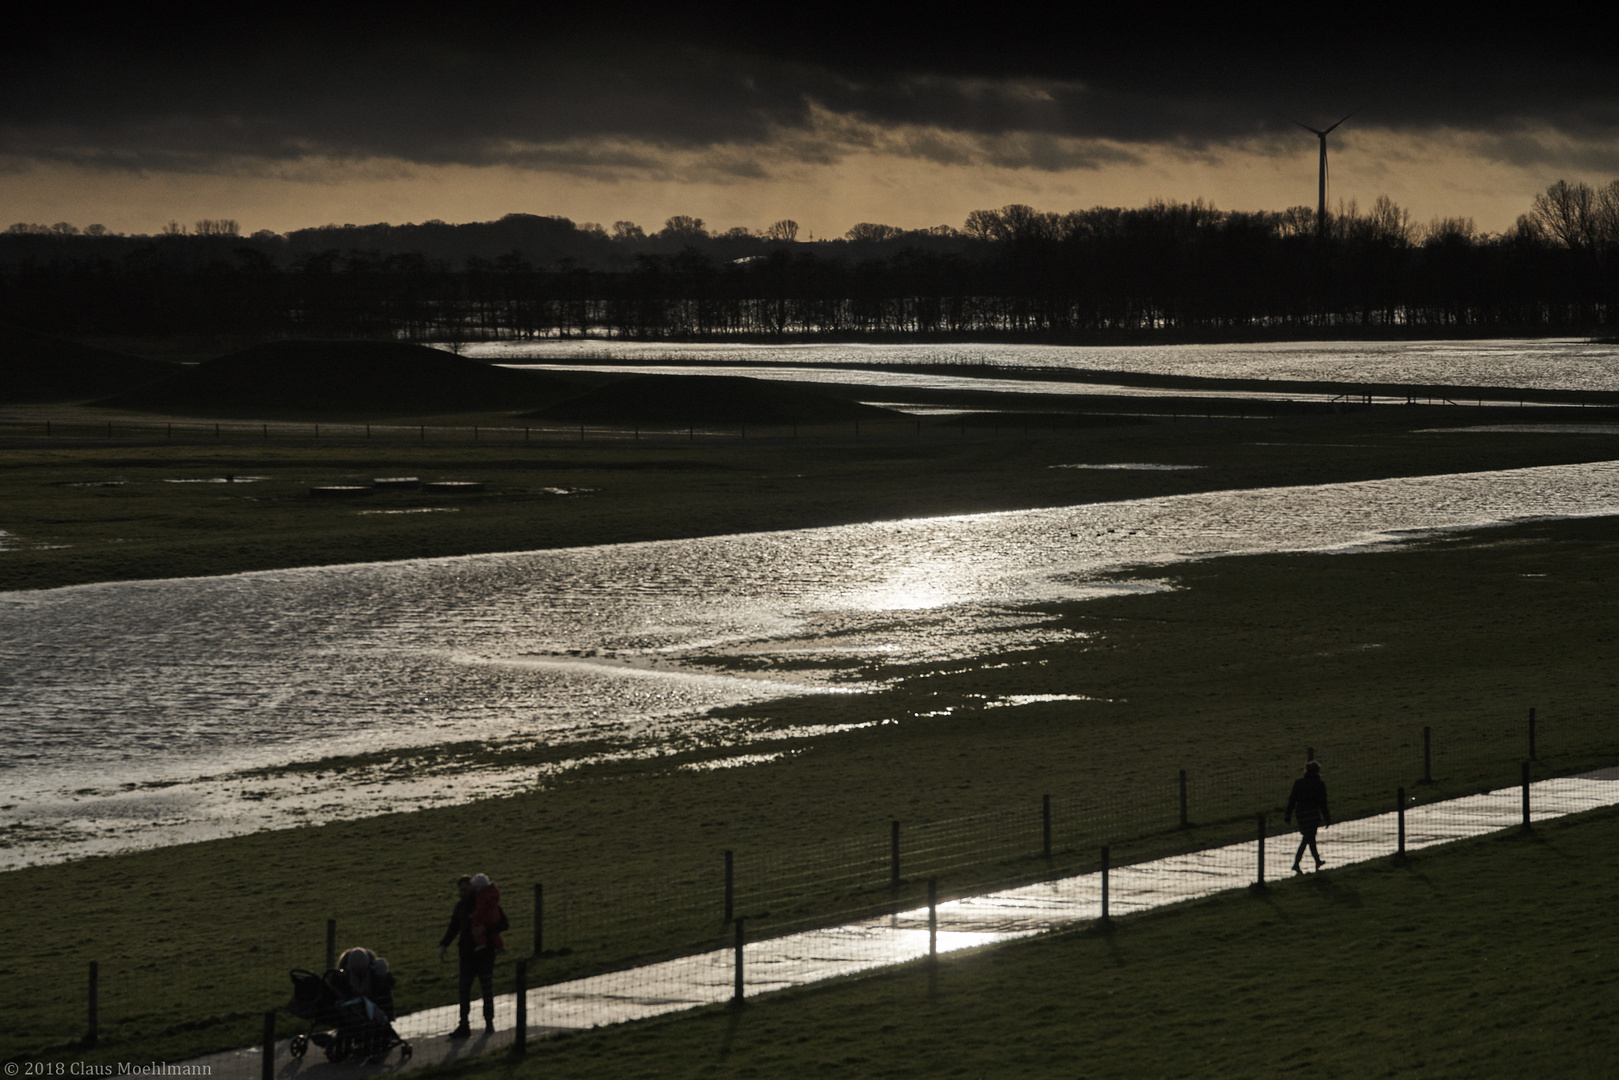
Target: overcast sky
{"type": "Point", "coordinates": [830, 115]}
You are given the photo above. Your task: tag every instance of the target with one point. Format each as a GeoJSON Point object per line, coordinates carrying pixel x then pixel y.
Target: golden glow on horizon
{"type": "Point", "coordinates": [909, 178]}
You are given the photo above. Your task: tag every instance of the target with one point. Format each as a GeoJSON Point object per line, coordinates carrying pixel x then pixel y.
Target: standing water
{"type": "Point", "coordinates": [134, 710]}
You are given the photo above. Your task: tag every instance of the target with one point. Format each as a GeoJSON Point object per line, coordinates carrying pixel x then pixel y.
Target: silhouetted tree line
{"type": "Point", "coordinates": [1182, 269]}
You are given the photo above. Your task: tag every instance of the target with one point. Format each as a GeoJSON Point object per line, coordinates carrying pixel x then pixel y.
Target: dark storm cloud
{"type": "Point", "coordinates": [536, 88]}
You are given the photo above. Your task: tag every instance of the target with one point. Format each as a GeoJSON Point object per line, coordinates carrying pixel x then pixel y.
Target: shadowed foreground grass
{"type": "Point", "coordinates": [1488, 958]}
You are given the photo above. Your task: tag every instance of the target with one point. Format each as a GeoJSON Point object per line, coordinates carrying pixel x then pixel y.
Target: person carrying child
{"type": "Point", "coordinates": [476, 925]}
{"type": "Point", "coordinates": [487, 919]}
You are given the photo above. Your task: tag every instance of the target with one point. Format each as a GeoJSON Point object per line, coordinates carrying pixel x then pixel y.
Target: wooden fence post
{"type": "Point", "coordinates": [933, 936]}
{"type": "Point", "coordinates": [1526, 824]}
{"type": "Point", "coordinates": [267, 1059]}
{"type": "Point", "coordinates": [520, 1034]}
{"type": "Point", "coordinates": [1261, 820]}
{"type": "Point", "coordinates": [933, 918]}
{"type": "Point", "coordinates": [893, 854]}
{"type": "Point", "coordinates": [539, 918]}
{"type": "Point", "coordinates": [730, 886]}
{"type": "Point", "coordinates": [1104, 881]}
{"type": "Point", "coordinates": [92, 1032]}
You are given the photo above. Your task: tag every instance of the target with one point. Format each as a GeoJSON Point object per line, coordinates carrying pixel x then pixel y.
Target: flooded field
{"type": "Point", "coordinates": [1563, 364]}
{"type": "Point", "coordinates": [139, 713]}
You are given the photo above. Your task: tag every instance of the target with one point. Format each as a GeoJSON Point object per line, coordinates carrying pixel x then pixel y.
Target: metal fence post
{"type": "Point", "coordinates": [741, 940]}
{"type": "Point", "coordinates": [1532, 756]}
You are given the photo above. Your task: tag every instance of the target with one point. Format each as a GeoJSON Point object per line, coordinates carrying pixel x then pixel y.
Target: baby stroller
{"type": "Point", "coordinates": [360, 1026]}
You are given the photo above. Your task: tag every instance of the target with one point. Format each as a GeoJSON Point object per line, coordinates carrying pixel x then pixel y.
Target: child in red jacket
{"type": "Point", "coordinates": [486, 914]}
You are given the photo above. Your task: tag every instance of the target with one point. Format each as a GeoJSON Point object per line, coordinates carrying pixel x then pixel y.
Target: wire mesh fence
{"type": "Point", "coordinates": [847, 903]}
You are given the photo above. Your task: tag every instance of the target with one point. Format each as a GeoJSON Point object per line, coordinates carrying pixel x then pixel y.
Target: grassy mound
{"type": "Point", "coordinates": [348, 377]}
{"type": "Point", "coordinates": [708, 399]}
{"type": "Point", "coordinates": [37, 367]}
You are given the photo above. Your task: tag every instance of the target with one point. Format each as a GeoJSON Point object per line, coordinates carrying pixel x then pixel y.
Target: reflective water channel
{"type": "Point", "coordinates": [1553, 363]}
{"type": "Point", "coordinates": [133, 709]}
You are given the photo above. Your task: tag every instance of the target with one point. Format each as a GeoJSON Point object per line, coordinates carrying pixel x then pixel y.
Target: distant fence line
{"type": "Point", "coordinates": [267, 431]}
{"type": "Point", "coordinates": [569, 932]}
{"type": "Point", "coordinates": [1148, 410]}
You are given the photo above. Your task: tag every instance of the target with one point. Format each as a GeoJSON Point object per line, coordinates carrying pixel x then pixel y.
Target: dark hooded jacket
{"type": "Point", "coordinates": [1309, 800]}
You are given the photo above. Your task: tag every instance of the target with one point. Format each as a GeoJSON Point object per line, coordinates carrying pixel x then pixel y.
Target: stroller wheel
{"type": "Point", "coordinates": [404, 1052]}
{"type": "Point", "coordinates": [337, 1051]}
{"type": "Point", "coordinates": [298, 1045]}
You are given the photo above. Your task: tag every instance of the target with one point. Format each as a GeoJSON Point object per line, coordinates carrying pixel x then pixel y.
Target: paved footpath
{"type": "Point", "coordinates": [803, 958]}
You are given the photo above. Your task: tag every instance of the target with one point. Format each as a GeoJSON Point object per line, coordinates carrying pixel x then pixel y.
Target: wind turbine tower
{"type": "Point", "coordinates": [1321, 201]}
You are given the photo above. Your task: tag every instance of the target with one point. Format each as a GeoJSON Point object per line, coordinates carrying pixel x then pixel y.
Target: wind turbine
{"type": "Point", "coordinates": [1321, 204]}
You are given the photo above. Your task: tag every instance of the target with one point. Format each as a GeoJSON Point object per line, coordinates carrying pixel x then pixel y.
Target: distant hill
{"type": "Point", "coordinates": [708, 399]}
{"type": "Point", "coordinates": [36, 367]}
{"type": "Point", "coordinates": [349, 377]}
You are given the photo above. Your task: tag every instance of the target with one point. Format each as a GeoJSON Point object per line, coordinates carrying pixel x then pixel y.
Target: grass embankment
{"type": "Point", "coordinates": [84, 513]}
{"type": "Point", "coordinates": [1230, 677]}
{"type": "Point", "coordinates": [1490, 958]}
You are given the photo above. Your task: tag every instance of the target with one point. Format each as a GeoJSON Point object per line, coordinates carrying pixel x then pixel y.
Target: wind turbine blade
{"type": "Point", "coordinates": [1305, 126]}
{"type": "Point", "coordinates": [1339, 122]}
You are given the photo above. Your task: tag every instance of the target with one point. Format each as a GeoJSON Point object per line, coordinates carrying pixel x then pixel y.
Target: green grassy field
{"type": "Point", "coordinates": [1229, 676]}
{"type": "Point", "coordinates": [1199, 678]}
{"type": "Point", "coordinates": [1490, 958]}
{"type": "Point", "coordinates": [82, 510]}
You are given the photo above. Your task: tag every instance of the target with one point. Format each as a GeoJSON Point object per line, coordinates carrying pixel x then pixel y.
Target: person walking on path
{"type": "Point", "coordinates": [1309, 799]}
{"type": "Point", "coordinates": [475, 963]}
